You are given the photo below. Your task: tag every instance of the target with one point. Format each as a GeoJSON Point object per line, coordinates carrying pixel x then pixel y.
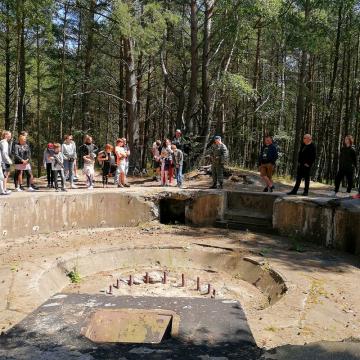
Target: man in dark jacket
{"type": "Point", "coordinates": [267, 160]}
{"type": "Point", "coordinates": [306, 159]}
{"type": "Point", "coordinates": [347, 165]}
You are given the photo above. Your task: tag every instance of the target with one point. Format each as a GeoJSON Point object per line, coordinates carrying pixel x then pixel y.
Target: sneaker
{"type": "Point", "coordinates": [120, 186]}
{"type": "Point", "coordinates": [57, 190]}
{"type": "Point", "coordinates": [73, 186]}
{"type": "Point", "coordinates": [34, 187]}
{"type": "Point", "coordinates": [5, 193]}
{"type": "Point", "coordinates": [19, 189]}
{"type": "Point", "coordinates": [266, 189]}
{"type": "Point", "coordinates": [127, 185]}
{"type": "Point", "coordinates": [291, 193]}
{"type": "Point", "coordinates": [22, 188]}
{"type": "Point", "coordinates": [357, 196]}
{"type": "Point", "coordinates": [333, 194]}
{"type": "Point", "coordinates": [305, 193]}
{"type": "Point", "coordinates": [90, 187]}
{"type": "Point", "coordinates": [272, 189]}
{"type": "Point", "coordinates": [31, 189]}
{"type": "Point", "coordinates": [63, 189]}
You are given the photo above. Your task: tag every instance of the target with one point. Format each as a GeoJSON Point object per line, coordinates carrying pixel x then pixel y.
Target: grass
{"type": "Point", "coordinates": [74, 276]}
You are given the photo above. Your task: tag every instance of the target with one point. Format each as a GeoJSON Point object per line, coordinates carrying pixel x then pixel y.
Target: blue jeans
{"type": "Point", "coordinates": [69, 166]}
{"type": "Point", "coordinates": [179, 177]}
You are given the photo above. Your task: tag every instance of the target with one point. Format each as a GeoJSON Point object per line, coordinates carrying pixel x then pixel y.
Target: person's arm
{"type": "Point", "coordinates": [312, 157]}
{"type": "Point", "coordinates": [5, 153]}
{"type": "Point", "coordinates": [17, 156]}
{"type": "Point", "coordinates": [224, 154]}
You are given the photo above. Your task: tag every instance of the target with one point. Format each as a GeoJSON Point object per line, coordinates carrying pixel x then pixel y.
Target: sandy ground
{"type": "Point", "coordinates": [322, 302]}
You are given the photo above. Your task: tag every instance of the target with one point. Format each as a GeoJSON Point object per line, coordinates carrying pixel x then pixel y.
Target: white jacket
{"type": "Point", "coordinates": [4, 149]}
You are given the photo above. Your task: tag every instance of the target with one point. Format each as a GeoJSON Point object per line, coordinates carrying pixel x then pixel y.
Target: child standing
{"type": "Point", "coordinates": [57, 166]}
{"type": "Point", "coordinates": [105, 158]}
{"type": "Point", "coordinates": [121, 155]}
{"type": "Point", "coordinates": [178, 158]}
{"type": "Point", "coordinates": [166, 161]}
{"type": "Point", "coordinates": [48, 153]}
{"type": "Point", "coordinates": [88, 152]}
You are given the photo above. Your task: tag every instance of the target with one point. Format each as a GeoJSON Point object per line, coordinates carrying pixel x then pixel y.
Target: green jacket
{"type": "Point", "coordinates": [219, 154]}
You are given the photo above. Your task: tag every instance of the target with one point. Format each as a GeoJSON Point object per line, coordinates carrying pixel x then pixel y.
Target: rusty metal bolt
{"type": "Point", "coordinates": [182, 280]}
{"type": "Point", "coordinates": [165, 277]}
{"type": "Point", "coordinates": [198, 284]}
{"type": "Point", "coordinates": [209, 289]}
{"type": "Point", "coordinates": [147, 278]}
{"type": "Point", "coordinates": [110, 290]}
{"type": "Point", "coordinates": [117, 283]}
{"type": "Point", "coordinates": [214, 293]}
{"type": "Point", "coordinates": [131, 280]}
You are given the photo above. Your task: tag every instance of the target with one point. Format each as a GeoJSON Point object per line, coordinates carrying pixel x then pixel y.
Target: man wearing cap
{"type": "Point", "coordinates": [184, 145]}
{"type": "Point", "coordinates": [219, 155]}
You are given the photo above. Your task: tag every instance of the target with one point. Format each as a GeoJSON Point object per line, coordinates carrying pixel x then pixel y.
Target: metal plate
{"type": "Point", "coordinates": [138, 326]}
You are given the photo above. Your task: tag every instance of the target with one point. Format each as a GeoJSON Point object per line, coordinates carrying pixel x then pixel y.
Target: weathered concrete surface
{"type": "Point", "coordinates": [324, 221]}
{"type": "Point", "coordinates": [208, 329]}
{"type": "Point", "coordinates": [44, 213]}
{"type": "Point", "coordinates": [205, 208]}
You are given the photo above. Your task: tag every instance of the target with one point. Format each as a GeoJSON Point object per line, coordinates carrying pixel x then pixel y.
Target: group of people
{"type": "Point", "coordinates": [167, 159]}
{"type": "Point", "coordinates": [306, 159]}
{"type": "Point", "coordinates": [60, 162]}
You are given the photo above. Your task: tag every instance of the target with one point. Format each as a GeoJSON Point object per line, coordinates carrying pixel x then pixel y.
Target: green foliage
{"type": "Point", "coordinates": [236, 85]}
{"type": "Point", "coordinates": [74, 276]}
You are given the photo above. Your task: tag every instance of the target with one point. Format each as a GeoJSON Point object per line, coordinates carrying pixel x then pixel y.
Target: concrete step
{"type": "Point", "coordinates": [263, 229]}
{"type": "Point", "coordinates": [248, 217]}
{"type": "Point", "coordinates": [251, 201]}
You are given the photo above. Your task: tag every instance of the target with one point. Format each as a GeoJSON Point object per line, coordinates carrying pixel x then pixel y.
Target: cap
{"type": "Point", "coordinates": [50, 146]}
{"type": "Point", "coordinates": [178, 130]}
{"type": "Point", "coordinates": [217, 137]}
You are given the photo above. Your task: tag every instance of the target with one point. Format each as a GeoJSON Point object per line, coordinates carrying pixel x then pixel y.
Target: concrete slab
{"type": "Point", "coordinates": [209, 328]}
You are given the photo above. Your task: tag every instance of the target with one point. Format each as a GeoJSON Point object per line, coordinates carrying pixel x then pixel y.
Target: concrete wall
{"type": "Point", "coordinates": [205, 208]}
{"type": "Point", "coordinates": [327, 222]}
{"type": "Point", "coordinates": [44, 213]}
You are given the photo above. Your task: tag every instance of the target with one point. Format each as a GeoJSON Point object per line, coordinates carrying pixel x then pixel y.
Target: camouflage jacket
{"type": "Point", "coordinates": [219, 154]}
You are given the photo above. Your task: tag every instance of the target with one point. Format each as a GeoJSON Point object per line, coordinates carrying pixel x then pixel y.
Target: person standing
{"type": "Point", "coordinates": [127, 150]}
{"type": "Point", "coordinates": [57, 167]}
{"type": "Point", "coordinates": [6, 159]}
{"type": "Point", "coordinates": [165, 161]}
{"type": "Point", "coordinates": [88, 152]}
{"type": "Point", "coordinates": [306, 159]}
{"type": "Point", "coordinates": [68, 150]}
{"type": "Point", "coordinates": [3, 190]}
{"type": "Point", "coordinates": [121, 154]}
{"type": "Point", "coordinates": [219, 156]}
{"type": "Point", "coordinates": [178, 159]}
{"type": "Point", "coordinates": [48, 153]}
{"type": "Point", "coordinates": [106, 158]}
{"type": "Point", "coordinates": [22, 155]}
{"type": "Point", "coordinates": [347, 165]}
{"type": "Point", "coordinates": [267, 160]}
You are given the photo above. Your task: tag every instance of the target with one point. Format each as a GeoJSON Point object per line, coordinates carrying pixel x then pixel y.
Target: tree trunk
{"type": "Point", "coordinates": [7, 69]}
{"type": "Point", "coordinates": [191, 108]}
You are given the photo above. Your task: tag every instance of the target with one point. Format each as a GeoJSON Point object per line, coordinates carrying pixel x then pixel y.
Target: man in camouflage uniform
{"type": "Point", "coordinates": [219, 155]}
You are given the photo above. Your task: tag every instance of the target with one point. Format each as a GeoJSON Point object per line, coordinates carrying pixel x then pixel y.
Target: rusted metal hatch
{"type": "Point", "coordinates": [131, 326]}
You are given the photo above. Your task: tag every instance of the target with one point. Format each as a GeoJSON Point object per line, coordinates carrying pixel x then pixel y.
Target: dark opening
{"type": "Point", "coordinates": [172, 211]}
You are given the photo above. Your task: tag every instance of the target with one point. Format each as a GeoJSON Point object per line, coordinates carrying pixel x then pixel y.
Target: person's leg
{"type": "Point", "coordinates": [214, 176]}
{"type": "Point", "coordinates": [48, 174]}
{"type": "Point", "coordinates": [339, 176]}
{"type": "Point", "coordinates": [307, 180]}
{"type": "Point", "coordinates": [299, 176]}
{"type": "Point", "coordinates": [62, 179]}
{"type": "Point", "coordinates": [117, 174]}
{"type": "Point", "coordinates": [55, 175]}
{"type": "Point", "coordinates": [162, 173]}
{"type": "Point", "coordinates": [71, 172]}
{"type": "Point", "coordinates": [220, 175]}
{"type": "Point", "coordinates": [350, 179]}
{"type": "Point", "coordinates": [6, 176]}
{"type": "Point", "coordinates": [171, 173]}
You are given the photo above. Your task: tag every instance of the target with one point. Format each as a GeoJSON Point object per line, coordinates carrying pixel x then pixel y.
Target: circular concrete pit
{"type": "Point", "coordinates": [204, 279]}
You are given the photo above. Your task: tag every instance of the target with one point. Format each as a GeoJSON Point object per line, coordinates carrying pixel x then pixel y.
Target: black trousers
{"type": "Point", "coordinates": [28, 177]}
{"type": "Point", "coordinates": [49, 175]}
{"type": "Point", "coordinates": [349, 174]}
{"type": "Point", "coordinates": [303, 172]}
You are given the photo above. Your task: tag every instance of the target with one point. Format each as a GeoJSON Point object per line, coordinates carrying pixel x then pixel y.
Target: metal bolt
{"type": "Point", "coordinates": [130, 280]}
{"type": "Point", "coordinates": [214, 293]}
{"type": "Point", "coordinates": [117, 284]}
{"type": "Point", "coordinates": [182, 280]}
{"type": "Point", "coordinates": [198, 284]}
{"type": "Point", "coordinates": [110, 290]}
{"type": "Point", "coordinates": [165, 278]}
{"type": "Point", "coordinates": [209, 289]}
{"type": "Point", "coordinates": [147, 279]}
